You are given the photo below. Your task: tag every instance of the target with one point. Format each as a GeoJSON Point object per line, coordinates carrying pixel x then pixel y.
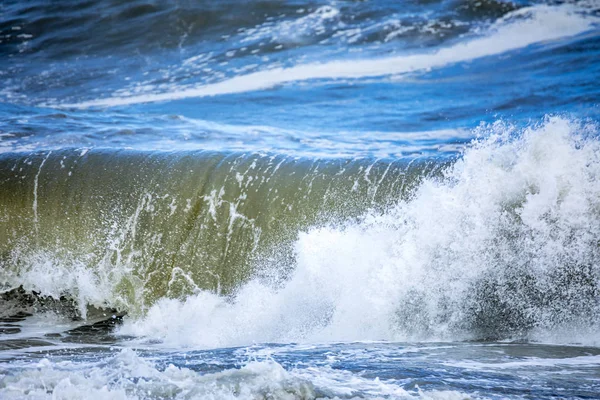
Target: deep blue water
{"type": "Point", "coordinates": [60, 57]}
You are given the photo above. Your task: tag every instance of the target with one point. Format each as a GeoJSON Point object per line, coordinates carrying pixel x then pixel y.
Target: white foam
{"type": "Point", "coordinates": [531, 362]}
{"type": "Point", "coordinates": [516, 30]}
{"type": "Point", "coordinates": [87, 280]}
{"type": "Point", "coordinates": [129, 376]}
{"type": "Point", "coordinates": [295, 30]}
{"type": "Point", "coordinates": [408, 274]}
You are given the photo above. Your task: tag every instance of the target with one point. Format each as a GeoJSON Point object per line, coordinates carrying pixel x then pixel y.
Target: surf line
{"type": "Point", "coordinates": [541, 23]}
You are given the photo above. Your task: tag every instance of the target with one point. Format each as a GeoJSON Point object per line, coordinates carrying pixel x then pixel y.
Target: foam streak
{"type": "Point", "coordinates": [516, 30]}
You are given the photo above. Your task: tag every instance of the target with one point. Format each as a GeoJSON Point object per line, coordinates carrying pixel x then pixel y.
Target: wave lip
{"type": "Point", "coordinates": [517, 29]}
{"type": "Point", "coordinates": [179, 133]}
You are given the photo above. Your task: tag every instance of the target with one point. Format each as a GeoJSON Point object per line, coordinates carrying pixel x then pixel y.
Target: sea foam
{"type": "Point", "coordinates": [504, 245]}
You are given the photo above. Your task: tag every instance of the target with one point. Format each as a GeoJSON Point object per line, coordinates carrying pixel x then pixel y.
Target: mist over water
{"type": "Point", "coordinates": [299, 200]}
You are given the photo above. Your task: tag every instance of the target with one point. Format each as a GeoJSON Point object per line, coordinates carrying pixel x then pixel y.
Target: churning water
{"type": "Point", "coordinates": [297, 200]}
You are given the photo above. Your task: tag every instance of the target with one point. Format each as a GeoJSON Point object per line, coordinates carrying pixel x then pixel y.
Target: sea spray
{"type": "Point", "coordinates": [504, 244]}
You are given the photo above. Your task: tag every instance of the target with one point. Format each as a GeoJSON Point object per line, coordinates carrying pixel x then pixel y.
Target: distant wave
{"type": "Point", "coordinates": [517, 29]}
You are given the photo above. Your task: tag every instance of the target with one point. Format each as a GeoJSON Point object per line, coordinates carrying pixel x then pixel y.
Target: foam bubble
{"type": "Point", "coordinates": [128, 376]}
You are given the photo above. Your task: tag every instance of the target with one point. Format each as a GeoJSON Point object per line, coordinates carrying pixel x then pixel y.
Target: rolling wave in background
{"type": "Point", "coordinates": [514, 30]}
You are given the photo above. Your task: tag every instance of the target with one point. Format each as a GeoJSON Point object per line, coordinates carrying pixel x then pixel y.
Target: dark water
{"type": "Point", "coordinates": [282, 199]}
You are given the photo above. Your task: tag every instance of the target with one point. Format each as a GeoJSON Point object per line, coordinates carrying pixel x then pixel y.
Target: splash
{"type": "Point", "coordinates": [219, 250]}
{"type": "Point", "coordinates": [503, 246]}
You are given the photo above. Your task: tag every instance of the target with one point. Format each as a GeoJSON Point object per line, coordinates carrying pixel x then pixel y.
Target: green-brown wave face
{"type": "Point", "coordinates": [123, 229]}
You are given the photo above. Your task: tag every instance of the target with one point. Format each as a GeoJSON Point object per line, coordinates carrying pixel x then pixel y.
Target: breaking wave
{"type": "Point", "coordinates": [216, 250]}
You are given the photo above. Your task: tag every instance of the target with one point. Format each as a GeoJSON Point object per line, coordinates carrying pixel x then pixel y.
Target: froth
{"type": "Point", "coordinates": [504, 245]}
{"type": "Point", "coordinates": [126, 375]}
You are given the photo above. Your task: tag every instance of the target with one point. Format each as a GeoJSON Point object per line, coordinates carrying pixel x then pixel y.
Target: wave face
{"type": "Point", "coordinates": [123, 229]}
{"type": "Point", "coordinates": [502, 243]}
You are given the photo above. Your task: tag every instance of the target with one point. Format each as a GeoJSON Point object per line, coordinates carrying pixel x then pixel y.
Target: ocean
{"type": "Point", "coordinates": [283, 199]}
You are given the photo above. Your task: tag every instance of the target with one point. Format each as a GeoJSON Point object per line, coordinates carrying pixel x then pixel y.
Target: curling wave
{"type": "Point", "coordinates": [234, 249]}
